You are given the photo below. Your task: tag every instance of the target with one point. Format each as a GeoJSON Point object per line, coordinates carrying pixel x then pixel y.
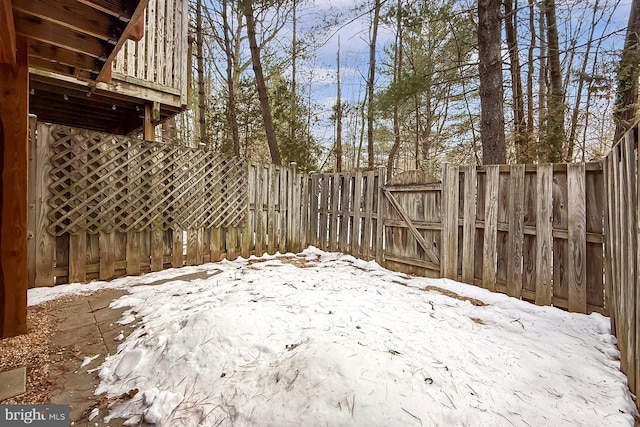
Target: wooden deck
{"type": "Point", "coordinates": [147, 74]}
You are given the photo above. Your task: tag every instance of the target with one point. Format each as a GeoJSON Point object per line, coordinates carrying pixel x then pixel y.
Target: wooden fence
{"type": "Point", "coordinates": [622, 259]}
{"type": "Point", "coordinates": [343, 212]}
{"type": "Point", "coordinates": [104, 206]}
{"type": "Point", "coordinates": [526, 231]}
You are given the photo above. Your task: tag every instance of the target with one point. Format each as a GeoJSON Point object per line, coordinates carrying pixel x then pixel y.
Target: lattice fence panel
{"type": "Point", "coordinates": [104, 182]}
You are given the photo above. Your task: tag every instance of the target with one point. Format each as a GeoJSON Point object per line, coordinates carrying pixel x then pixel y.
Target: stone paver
{"type": "Point", "coordinates": [13, 383]}
{"type": "Point", "coordinates": [86, 327]}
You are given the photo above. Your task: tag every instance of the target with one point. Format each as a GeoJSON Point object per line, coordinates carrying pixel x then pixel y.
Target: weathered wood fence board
{"type": "Point", "coordinates": [622, 258]}
{"type": "Point", "coordinates": [107, 206]}
{"type": "Point", "coordinates": [528, 241]}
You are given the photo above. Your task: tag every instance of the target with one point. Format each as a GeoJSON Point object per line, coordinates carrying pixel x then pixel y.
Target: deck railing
{"type": "Point", "coordinates": [159, 59]}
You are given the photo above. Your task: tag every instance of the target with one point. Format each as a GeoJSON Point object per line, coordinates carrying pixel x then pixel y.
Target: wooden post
{"type": "Point", "coordinates": [14, 140]}
{"type": "Point", "coordinates": [151, 117]}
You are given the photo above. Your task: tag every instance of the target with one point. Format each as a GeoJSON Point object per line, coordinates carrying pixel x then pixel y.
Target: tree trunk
{"type": "Point", "coordinates": [232, 114]}
{"type": "Point", "coordinates": [371, 81]}
{"type": "Point", "coordinates": [555, 101]}
{"type": "Point", "coordinates": [491, 102]}
{"type": "Point", "coordinates": [338, 117]}
{"type": "Point", "coordinates": [397, 70]}
{"type": "Point", "coordinates": [263, 97]}
{"type": "Point", "coordinates": [542, 86]}
{"type": "Point", "coordinates": [627, 92]}
{"type": "Point", "coordinates": [294, 57]}
{"type": "Point", "coordinates": [530, 71]}
{"type": "Point", "coordinates": [200, 61]}
{"type": "Point", "coordinates": [519, 120]}
{"type": "Point", "coordinates": [573, 130]}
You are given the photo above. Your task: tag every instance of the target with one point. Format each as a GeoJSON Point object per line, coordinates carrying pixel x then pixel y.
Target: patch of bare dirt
{"type": "Point", "coordinates": [296, 261]}
{"type": "Point", "coordinates": [451, 294]}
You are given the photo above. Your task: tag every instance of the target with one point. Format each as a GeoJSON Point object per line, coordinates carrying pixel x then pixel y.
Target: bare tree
{"type": "Point", "coordinates": [338, 112]}
{"type": "Point", "coordinates": [232, 115]}
{"type": "Point", "coordinates": [628, 72]}
{"type": "Point", "coordinates": [200, 65]}
{"type": "Point", "coordinates": [371, 81]}
{"type": "Point", "coordinates": [519, 120]}
{"type": "Point", "coordinates": [397, 70]}
{"type": "Point", "coordinates": [265, 108]}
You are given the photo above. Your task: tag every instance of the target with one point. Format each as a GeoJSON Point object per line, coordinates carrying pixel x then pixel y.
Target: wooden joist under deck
{"type": "Point", "coordinates": [78, 38]}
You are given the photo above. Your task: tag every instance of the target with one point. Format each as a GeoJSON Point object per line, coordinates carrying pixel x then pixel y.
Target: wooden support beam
{"type": "Point", "coordinates": [139, 11]}
{"type": "Point", "coordinates": [151, 117]}
{"type": "Point", "coordinates": [74, 16]}
{"type": "Point", "coordinates": [137, 33]}
{"type": "Point", "coordinates": [14, 137]}
{"type": "Point", "coordinates": [7, 34]}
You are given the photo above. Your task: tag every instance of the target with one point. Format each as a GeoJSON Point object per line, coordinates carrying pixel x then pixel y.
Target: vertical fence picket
{"type": "Point", "coordinates": [631, 253]}
{"type": "Point", "coordinates": [577, 238]}
{"type": "Point", "coordinates": [450, 188]}
{"type": "Point", "coordinates": [271, 208]}
{"type": "Point", "coordinates": [516, 231]}
{"type": "Point", "coordinates": [44, 241]}
{"type": "Point", "coordinates": [492, 180]}
{"type": "Point", "coordinates": [469, 224]}
{"type": "Point", "coordinates": [544, 235]}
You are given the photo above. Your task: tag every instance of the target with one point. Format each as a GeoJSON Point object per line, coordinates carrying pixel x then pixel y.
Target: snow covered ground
{"type": "Point", "coordinates": [326, 339]}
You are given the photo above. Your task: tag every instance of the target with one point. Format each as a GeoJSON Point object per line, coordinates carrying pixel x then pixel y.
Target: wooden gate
{"type": "Point", "coordinates": [412, 224]}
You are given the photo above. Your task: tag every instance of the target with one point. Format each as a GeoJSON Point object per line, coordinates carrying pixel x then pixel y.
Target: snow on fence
{"type": "Point", "coordinates": [622, 259]}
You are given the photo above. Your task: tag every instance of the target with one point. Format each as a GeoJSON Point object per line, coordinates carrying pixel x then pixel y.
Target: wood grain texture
{"type": "Point", "coordinates": [577, 239]}
{"type": "Point", "coordinates": [273, 180]}
{"type": "Point", "coordinates": [282, 220]}
{"type": "Point", "coordinates": [516, 231]}
{"type": "Point", "coordinates": [357, 214]}
{"type": "Point", "coordinates": [157, 250]}
{"type": "Point", "coordinates": [378, 240]}
{"type": "Point", "coordinates": [324, 213]}
{"type": "Point", "coordinates": [133, 253]}
{"type": "Point", "coordinates": [14, 129]}
{"type": "Point", "coordinates": [469, 224]}
{"type": "Point", "coordinates": [368, 211]}
{"type": "Point", "coordinates": [544, 237]}
{"type": "Point", "coordinates": [314, 213]}
{"type": "Point", "coordinates": [450, 186]}
{"type": "Point", "coordinates": [630, 253]}
{"type": "Point", "coordinates": [45, 243]}
{"type": "Point", "coordinates": [333, 216]}
{"type": "Point", "coordinates": [107, 255]}
{"type": "Point", "coordinates": [492, 180]}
